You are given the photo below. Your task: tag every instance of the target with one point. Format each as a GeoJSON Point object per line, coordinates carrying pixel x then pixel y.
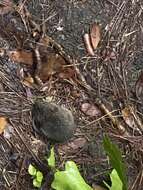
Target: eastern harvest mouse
{"type": "Point", "coordinates": [53, 121]}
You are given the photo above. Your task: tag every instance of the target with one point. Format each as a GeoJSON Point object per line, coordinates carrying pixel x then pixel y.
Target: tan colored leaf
{"type": "Point", "coordinates": [72, 146]}
{"type": "Point", "coordinates": [6, 6]}
{"type": "Point", "coordinates": [139, 87]}
{"type": "Point", "coordinates": [3, 124]}
{"type": "Point", "coordinates": [90, 110]}
{"type": "Point", "coordinates": [21, 56]}
{"type": "Point", "coordinates": [128, 117]}
{"type": "Point", "coordinates": [28, 81]}
{"type": "Point", "coordinates": [95, 35]}
{"type": "Point", "coordinates": [88, 45]}
{"type": "Point", "coordinates": [53, 63]}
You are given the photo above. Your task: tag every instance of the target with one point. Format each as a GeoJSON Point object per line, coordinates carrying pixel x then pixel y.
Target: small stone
{"type": "Point", "coordinates": [53, 121]}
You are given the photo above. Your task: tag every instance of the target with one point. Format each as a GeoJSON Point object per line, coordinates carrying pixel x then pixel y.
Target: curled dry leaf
{"type": "Point", "coordinates": [21, 56]}
{"type": "Point", "coordinates": [90, 110]}
{"type": "Point", "coordinates": [95, 35]}
{"type": "Point", "coordinates": [92, 39]}
{"type": "Point", "coordinates": [88, 45]}
{"type": "Point", "coordinates": [128, 117]}
{"type": "Point", "coordinates": [139, 87]}
{"type": "Point", "coordinates": [28, 81]}
{"type": "Point", "coordinates": [6, 6]}
{"type": "Point", "coordinates": [3, 124]}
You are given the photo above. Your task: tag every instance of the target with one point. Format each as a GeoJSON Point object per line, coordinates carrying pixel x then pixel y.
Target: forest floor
{"type": "Point", "coordinates": [109, 88]}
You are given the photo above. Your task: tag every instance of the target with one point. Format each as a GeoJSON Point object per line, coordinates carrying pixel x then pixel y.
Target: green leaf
{"type": "Point", "coordinates": [36, 183]}
{"type": "Point", "coordinates": [115, 157]}
{"type": "Point", "coordinates": [39, 176]}
{"type": "Point", "coordinates": [116, 181]}
{"type": "Point", "coordinates": [70, 179]}
{"type": "Point", "coordinates": [51, 159]}
{"type": "Point", "coordinates": [32, 170]}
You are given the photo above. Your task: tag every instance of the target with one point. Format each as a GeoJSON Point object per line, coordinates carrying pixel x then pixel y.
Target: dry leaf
{"type": "Point", "coordinates": [128, 117]}
{"type": "Point", "coordinates": [95, 35]}
{"type": "Point", "coordinates": [67, 73]}
{"type": "Point", "coordinates": [28, 81]}
{"type": "Point", "coordinates": [72, 146]}
{"type": "Point", "coordinates": [88, 45]}
{"type": "Point", "coordinates": [139, 87]}
{"type": "Point", "coordinates": [8, 131]}
{"type": "Point", "coordinates": [6, 6]}
{"type": "Point", "coordinates": [90, 110]}
{"type": "Point", "coordinates": [20, 72]}
{"type": "Point", "coordinates": [3, 124]}
{"type": "Point", "coordinates": [51, 65]}
{"type": "Point", "coordinates": [21, 56]}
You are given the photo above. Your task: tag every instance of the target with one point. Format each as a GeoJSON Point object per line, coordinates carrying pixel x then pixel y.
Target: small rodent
{"type": "Point", "coordinates": [53, 121]}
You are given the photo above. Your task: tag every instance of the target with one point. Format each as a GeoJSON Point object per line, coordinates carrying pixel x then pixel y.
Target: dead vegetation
{"type": "Point", "coordinates": [102, 88]}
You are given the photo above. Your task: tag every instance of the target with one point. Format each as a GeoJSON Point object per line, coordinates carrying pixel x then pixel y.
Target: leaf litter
{"type": "Point", "coordinates": [100, 83]}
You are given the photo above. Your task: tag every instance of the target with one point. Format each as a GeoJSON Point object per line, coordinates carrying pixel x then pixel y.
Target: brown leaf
{"type": "Point", "coordinates": [6, 6]}
{"type": "Point", "coordinates": [3, 124]}
{"type": "Point", "coordinates": [52, 64]}
{"type": "Point", "coordinates": [90, 110]}
{"type": "Point", "coordinates": [28, 81]}
{"type": "Point", "coordinates": [139, 87]}
{"type": "Point", "coordinates": [95, 35]}
{"type": "Point", "coordinates": [72, 146]}
{"type": "Point", "coordinates": [128, 117]}
{"type": "Point", "coordinates": [21, 56]}
{"type": "Point", "coordinates": [88, 45]}
{"type": "Point", "coordinates": [67, 73]}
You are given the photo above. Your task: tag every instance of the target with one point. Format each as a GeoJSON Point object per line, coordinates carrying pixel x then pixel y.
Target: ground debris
{"type": "Point", "coordinates": [106, 78]}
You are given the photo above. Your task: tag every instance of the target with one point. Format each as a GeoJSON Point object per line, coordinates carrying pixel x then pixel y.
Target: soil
{"type": "Point", "coordinates": [112, 81]}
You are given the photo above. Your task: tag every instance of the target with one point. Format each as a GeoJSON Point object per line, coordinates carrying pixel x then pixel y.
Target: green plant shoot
{"type": "Point", "coordinates": [37, 176]}
{"type": "Point", "coordinates": [115, 157]}
{"type": "Point", "coordinates": [116, 181]}
{"type": "Point", "coordinates": [51, 159]}
{"type": "Point", "coordinates": [70, 179]}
